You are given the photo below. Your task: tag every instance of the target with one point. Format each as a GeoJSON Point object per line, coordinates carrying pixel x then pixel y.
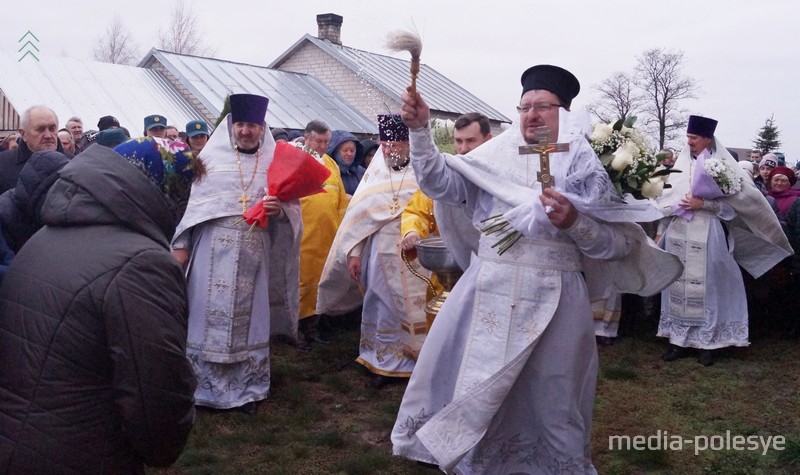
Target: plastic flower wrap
{"type": "Point", "coordinates": [713, 178]}
{"type": "Point", "coordinates": [623, 152]}
{"type": "Point", "coordinates": [725, 177]}
{"type": "Point", "coordinates": [293, 174]}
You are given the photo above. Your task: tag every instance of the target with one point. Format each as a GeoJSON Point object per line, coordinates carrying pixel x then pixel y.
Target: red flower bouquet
{"type": "Point", "coordinates": [292, 175]}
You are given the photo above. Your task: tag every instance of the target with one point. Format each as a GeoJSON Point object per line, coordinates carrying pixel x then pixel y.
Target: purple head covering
{"type": "Point", "coordinates": [391, 128]}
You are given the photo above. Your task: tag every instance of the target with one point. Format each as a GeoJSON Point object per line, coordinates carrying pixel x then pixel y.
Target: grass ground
{"type": "Point", "coordinates": [321, 417]}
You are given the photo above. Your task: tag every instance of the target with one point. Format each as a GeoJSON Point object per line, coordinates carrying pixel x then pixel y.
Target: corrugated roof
{"type": "Point", "coordinates": [90, 90]}
{"type": "Point", "coordinates": [295, 99]}
{"type": "Point", "coordinates": [391, 76]}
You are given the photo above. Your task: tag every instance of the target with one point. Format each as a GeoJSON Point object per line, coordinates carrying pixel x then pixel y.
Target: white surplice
{"type": "Point", "coordinates": [393, 313]}
{"type": "Point", "coordinates": [242, 284]}
{"type": "Point", "coordinates": [707, 307]}
{"type": "Point", "coordinates": [505, 382]}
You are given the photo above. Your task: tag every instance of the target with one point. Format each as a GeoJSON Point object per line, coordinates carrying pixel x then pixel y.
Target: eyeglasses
{"type": "Point", "coordinates": [540, 107]}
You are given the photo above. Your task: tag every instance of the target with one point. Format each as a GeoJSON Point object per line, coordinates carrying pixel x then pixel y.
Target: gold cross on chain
{"type": "Point", "coordinates": [544, 150]}
{"type": "Point", "coordinates": [244, 200]}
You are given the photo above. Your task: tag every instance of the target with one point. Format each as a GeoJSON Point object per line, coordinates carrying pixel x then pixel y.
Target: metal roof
{"type": "Point", "coordinates": [391, 76]}
{"type": "Point", "coordinates": [90, 90]}
{"type": "Point", "coordinates": [295, 98]}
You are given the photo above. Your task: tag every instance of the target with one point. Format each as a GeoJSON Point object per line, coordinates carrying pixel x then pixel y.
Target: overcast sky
{"type": "Point", "coordinates": [741, 52]}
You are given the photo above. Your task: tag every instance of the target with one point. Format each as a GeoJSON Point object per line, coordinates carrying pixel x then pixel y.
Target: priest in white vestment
{"type": "Point", "coordinates": [366, 252]}
{"type": "Point", "coordinates": [242, 282]}
{"type": "Point", "coordinates": [713, 233]}
{"type": "Point", "coordinates": [505, 382]}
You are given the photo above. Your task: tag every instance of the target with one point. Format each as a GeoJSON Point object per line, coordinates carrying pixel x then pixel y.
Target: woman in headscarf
{"type": "Point", "coordinates": [345, 148]}
{"type": "Point", "coordinates": [780, 183]}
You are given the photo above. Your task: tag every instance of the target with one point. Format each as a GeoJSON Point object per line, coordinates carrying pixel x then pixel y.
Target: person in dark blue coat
{"type": "Point", "coordinates": [345, 148]}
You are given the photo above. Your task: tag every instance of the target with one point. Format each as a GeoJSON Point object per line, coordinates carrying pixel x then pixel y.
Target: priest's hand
{"type": "Point", "coordinates": [273, 206]}
{"type": "Point", "coordinates": [354, 267]}
{"type": "Point", "coordinates": [558, 208]}
{"type": "Point", "coordinates": [182, 256]}
{"type": "Point", "coordinates": [691, 202]}
{"type": "Point", "coordinates": [409, 240]}
{"type": "Point", "coordinates": [415, 111]}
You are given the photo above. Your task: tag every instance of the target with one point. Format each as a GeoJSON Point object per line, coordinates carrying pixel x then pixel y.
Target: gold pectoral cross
{"type": "Point", "coordinates": [544, 150]}
{"type": "Point", "coordinates": [244, 200]}
{"type": "Point", "coordinates": [395, 206]}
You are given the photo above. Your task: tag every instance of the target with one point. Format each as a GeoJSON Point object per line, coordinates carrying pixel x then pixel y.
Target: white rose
{"type": "Point", "coordinates": [623, 158]}
{"type": "Point", "coordinates": [653, 188]}
{"type": "Point", "coordinates": [601, 132]}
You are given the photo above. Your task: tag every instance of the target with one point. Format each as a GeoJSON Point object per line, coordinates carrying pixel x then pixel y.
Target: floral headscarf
{"type": "Point", "coordinates": [168, 164]}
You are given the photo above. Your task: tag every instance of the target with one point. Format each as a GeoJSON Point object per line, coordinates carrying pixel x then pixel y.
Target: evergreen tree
{"type": "Point", "coordinates": [767, 139]}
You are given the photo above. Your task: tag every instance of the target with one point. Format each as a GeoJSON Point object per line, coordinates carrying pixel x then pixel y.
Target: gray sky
{"type": "Point", "coordinates": [740, 52]}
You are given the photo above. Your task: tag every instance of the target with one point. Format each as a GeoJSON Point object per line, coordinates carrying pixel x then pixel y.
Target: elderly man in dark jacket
{"type": "Point", "coordinates": [38, 131]}
{"type": "Point", "coordinates": [93, 312]}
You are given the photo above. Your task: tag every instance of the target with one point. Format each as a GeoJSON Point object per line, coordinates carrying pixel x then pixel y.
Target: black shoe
{"type": "Point", "coordinates": [301, 344]}
{"type": "Point", "coordinates": [251, 408]}
{"type": "Point", "coordinates": [605, 340]}
{"type": "Point", "coordinates": [427, 465]}
{"type": "Point", "coordinates": [318, 339]}
{"type": "Point", "coordinates": [674, 353]}
{"type": "Point", "coordinates": [705, 358]}
{"type": "Point", "coordinates": [377, 381]}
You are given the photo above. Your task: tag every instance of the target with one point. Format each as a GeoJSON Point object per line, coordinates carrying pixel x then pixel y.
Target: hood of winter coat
{"type": "Point", "coordinates": [99, 186]}
{"type": "Point", "coordinates": [339, 137]}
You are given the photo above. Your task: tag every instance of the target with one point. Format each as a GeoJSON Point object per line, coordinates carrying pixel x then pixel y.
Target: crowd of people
{"type": "Point", "coordinates": [134, 290]}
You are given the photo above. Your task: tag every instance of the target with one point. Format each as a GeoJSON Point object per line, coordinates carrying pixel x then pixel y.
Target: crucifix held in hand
{"type": "Point", "coordinates": [244, 200]}
{"type": "Point", "coordinates": [544, 150]}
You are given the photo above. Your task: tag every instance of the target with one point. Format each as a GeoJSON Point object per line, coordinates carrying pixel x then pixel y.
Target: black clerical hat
{"type": "Point", "coordinates": [248, 108]}
{"type": "Point", "coordinates": [702, 126]}
{"type": "Point", "coordinates": [557, 80]}
{"type": "Point", "coordinates": [391, 128]}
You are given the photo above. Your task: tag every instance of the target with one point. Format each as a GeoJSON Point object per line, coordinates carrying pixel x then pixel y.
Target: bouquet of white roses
{"type": "Point", "coordinates": [623, 153]}
{"type": "Point", "coordinates": [724, 176]}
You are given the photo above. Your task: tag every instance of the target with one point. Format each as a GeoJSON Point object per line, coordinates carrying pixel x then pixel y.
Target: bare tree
{"type": "Point", "coordinates": [117, 46]}
{"type": "Point", "coordinates": [618, 98]}
{"type": "Point", "coordinates": [183, 34]}
{"type": "Point", "coordinates": [658, 75]}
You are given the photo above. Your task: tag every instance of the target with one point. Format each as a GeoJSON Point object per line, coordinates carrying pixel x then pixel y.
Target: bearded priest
{"type": "Point", "coordinates": [242, 281]}
{"type": "Point", "coordinates": [366, 253]}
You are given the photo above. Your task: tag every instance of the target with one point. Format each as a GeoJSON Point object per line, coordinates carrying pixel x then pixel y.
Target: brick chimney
{"type": "Point", "coordinates": [330, 27]}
